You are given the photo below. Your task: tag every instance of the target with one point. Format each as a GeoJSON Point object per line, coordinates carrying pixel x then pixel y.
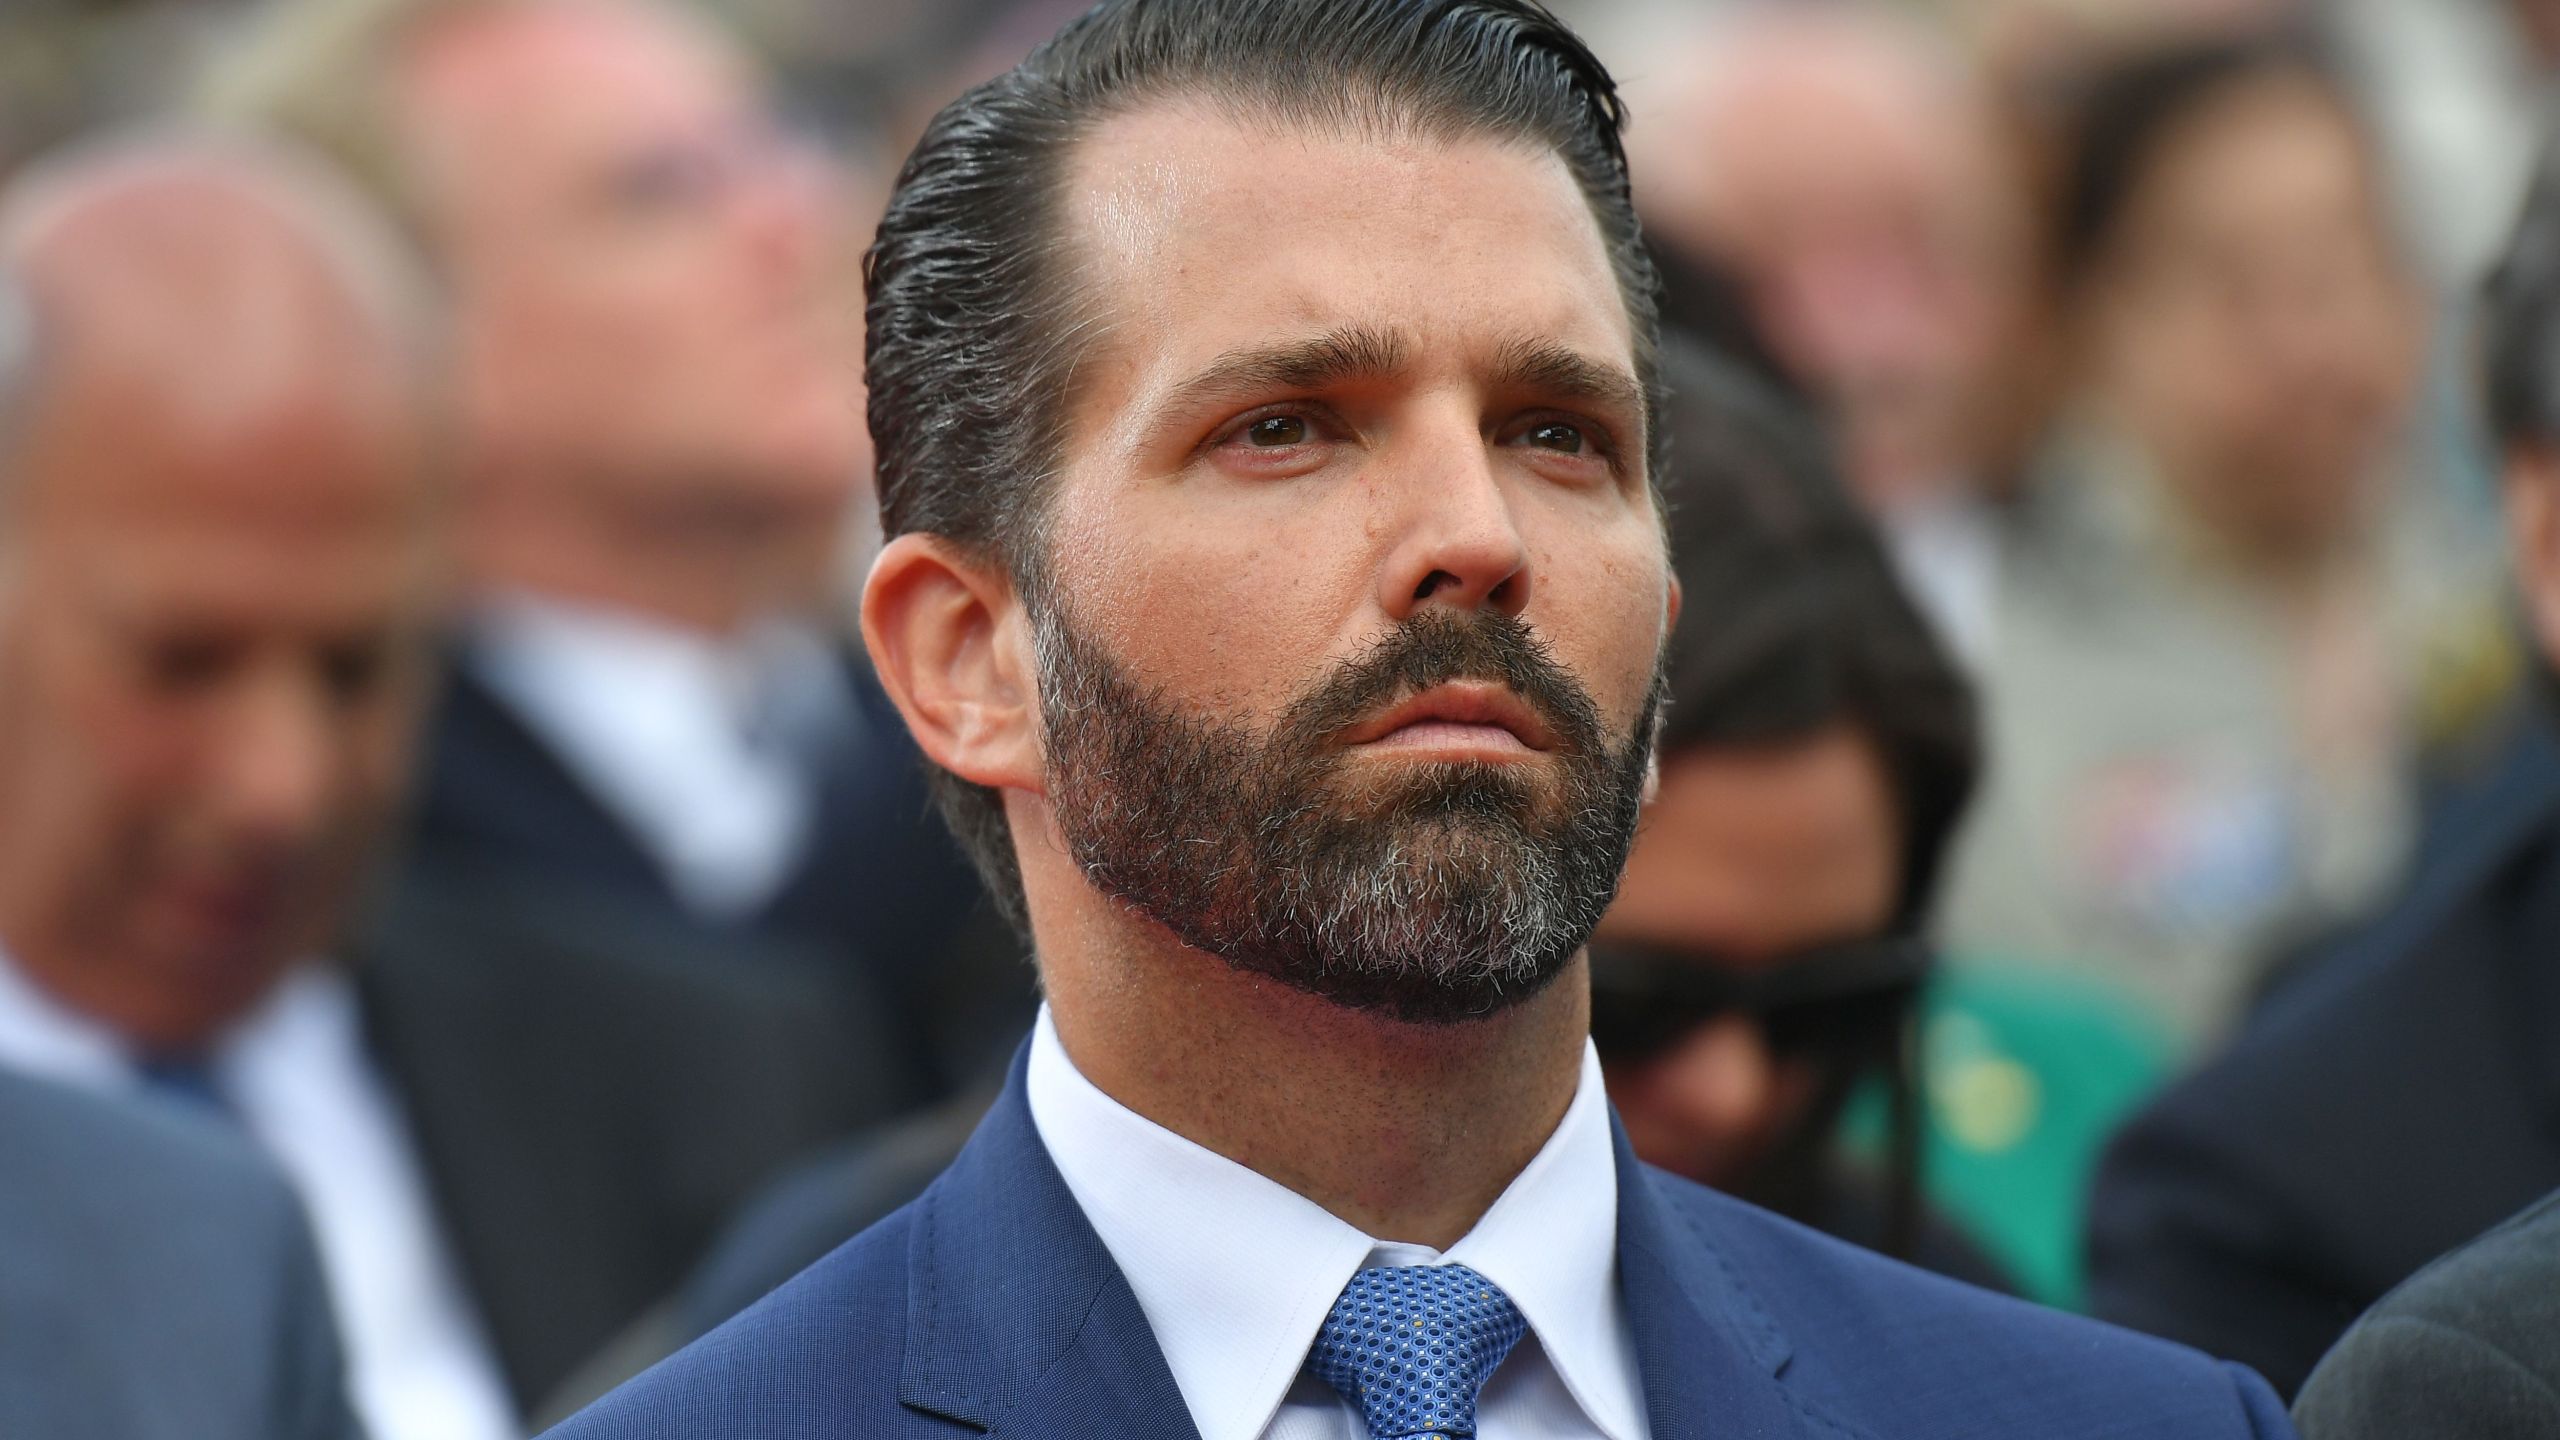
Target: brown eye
{"type": "Point", "coordinates": [1558, 436]}
{"type": "Point", "coordinates": [1274, 431]}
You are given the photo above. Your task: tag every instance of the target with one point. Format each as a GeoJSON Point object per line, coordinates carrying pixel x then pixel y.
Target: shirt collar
{"type": "Point", "coordinates": [1235, 1272]}
{"type": "Point", "coordinates": [42, 1036]}
{"type": "Point", "coordinates": [706, 746]}
{"type": "Point", "coordinates": [312, 1008]}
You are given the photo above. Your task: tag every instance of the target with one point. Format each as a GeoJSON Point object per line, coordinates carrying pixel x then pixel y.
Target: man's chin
{"type": "Point", "coordinates": [1451, 988]}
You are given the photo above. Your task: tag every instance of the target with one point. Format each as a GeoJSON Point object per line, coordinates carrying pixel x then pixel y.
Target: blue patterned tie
{"type": "Point", "coordinates": [1411, 1346]}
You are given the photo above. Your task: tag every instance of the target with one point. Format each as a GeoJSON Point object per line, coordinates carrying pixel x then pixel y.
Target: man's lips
{"type": "Point", "coordinates": [1466, 713]}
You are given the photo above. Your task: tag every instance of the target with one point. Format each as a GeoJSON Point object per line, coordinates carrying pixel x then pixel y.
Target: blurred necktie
{"type": "Point", "coordinates": [188, 1081]}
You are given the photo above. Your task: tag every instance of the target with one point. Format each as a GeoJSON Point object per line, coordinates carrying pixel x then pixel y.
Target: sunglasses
{"type": "Point", "coordinates": [1846, 1001]}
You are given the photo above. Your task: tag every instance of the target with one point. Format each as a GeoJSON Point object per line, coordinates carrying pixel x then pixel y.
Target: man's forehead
{"type": "Point", "coordinates": [1195, 233]}
{"type": "Point", "coordinates": [558, 71]}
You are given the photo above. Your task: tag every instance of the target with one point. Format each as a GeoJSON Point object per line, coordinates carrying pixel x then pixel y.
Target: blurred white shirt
{"type": "Point", "coordinates": [296, 1076]}
{"type": "Point", "coordinates": [1947, 551]}
{"type": "Point", "coordinates": [703, 746]}
{"type": "Point", "coordinates": [1235, 1272]}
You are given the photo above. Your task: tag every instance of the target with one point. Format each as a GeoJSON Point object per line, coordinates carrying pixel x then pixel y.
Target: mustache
{"type": "Point", "coordinates": [1439, 647]}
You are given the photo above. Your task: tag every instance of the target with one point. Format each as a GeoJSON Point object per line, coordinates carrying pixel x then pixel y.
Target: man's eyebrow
{"type": "Point", "coordinates": [1355, 352]}
{"type": "Point", "coordinates": [1360, 352]}
{"type": "Point", "coordinates": [1548, 367]}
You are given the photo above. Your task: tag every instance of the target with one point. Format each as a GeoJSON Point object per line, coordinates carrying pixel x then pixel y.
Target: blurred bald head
{"type": "Point", "coordinates": [1841, 164]}
{"type": "Point", "coordinates": [214, 285]}
{"type": "Point", "coordinates": [220, 574]}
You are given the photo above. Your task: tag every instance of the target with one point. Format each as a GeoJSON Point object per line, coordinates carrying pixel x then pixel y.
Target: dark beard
{"type": "Point", "coordinates": [1440, 893]}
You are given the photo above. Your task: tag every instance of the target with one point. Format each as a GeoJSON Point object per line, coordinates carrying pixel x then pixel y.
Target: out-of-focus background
{"type": "Point", "coordinates": [2137, 341]}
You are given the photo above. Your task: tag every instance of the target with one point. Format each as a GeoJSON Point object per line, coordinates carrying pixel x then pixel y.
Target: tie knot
{"type": "Point", "coordinates": [189, 1080]}
{"type": "Point", "coordinates": [1411, 1346]}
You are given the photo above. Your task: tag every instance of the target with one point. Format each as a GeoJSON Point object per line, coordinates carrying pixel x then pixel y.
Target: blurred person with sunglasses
{"type": "Point", "coordinates": [1764, 956]}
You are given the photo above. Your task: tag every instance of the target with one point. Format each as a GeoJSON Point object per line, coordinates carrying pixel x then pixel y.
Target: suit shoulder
{"type": "Point", "coordinates": [2464, 1348]}
{"type": "Point", "coordinates": [2309, 1101]}
{"type": "Point", "coordinates": [828, 1343]}
{"type": "Point", "coordinates": [2503, 1287]}
{"type": "Point", "coordinates": [167, 1265]}
{"type": "Point", "coordinates": [1886, 1344]}
{"type": "Point", "coordinates": [126, 1163]}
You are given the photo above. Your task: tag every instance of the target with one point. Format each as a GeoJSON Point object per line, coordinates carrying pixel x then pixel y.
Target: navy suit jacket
{"type": "Point", "coordinates": [990, 1306]}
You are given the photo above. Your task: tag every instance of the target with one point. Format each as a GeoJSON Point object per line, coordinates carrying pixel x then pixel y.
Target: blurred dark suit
{"type": "Point", "coordinates": [2469, 1349]}
{"type": "Point", "coordinates": [2397, 1099]}
{"type": "Point", "coordinates": [157, 1281]}
{"type": "Point", "coordinates": [881, 888]}
{"type": "Point", "coordinates": [592, 1093]}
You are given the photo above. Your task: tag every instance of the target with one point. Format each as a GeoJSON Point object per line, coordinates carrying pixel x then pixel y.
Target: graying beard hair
{"type": "Point", "coordinates": [1475, 922]}
{"type": "Point", "coordinates": [1388, 921]}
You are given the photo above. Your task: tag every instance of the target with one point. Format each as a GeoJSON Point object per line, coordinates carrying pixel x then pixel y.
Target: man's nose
{"type": "Point", "coordinates": [278, 757]}
{"type": "Point", "coordinates": [1459, 542]}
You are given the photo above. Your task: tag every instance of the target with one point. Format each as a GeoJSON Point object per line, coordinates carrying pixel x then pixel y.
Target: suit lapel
{"type": "Point", "coordinates": [493, 792]}
{"type": "Point", "coordinates": [1711, 1357]}
{"type": "Point", "coordinates": [1020, 1324]}
{"type": "Point", "coordinates": [1018, 1320]}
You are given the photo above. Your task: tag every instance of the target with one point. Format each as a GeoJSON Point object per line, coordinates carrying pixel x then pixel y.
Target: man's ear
{"type": "Point", "coordinates": [951, 645]}
{"type": "Point", "coordinates": [2533, 529]}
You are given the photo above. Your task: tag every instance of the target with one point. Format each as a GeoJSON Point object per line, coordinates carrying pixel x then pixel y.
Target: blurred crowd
{"type": "Point", "coordinates": [2105, 802]}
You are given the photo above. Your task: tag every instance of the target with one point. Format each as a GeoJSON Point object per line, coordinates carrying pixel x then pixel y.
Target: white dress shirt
{"type": "Point", "coordinates": [1235, 1272]}
{"type": "Point", "coordinates": [295, 1073]}
{"type": "Point", "coordinates": [700, 744]}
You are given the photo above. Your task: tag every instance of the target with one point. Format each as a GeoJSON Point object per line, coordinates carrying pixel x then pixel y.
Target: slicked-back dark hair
{"type": "Point", "coordinates": [977, 315]}
{"type": "Point", "coordinates": [1793, 621]}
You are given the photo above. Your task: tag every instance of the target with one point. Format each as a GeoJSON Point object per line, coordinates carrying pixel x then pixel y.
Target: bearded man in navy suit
{"type": "Point", "coordinates": [1263, 392]}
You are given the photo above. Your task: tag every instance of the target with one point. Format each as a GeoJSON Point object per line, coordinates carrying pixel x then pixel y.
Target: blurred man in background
{"type": "Point", "coordinates": [216, 631]}
{"type": "Point", "coordinates": [159, 1282]}
{"type": "Point", "coordinates": [2404, 1095]}
{"type": "Point", "coordinates": [2227, 581]}
{"type": "Point", "coordinates": [1840, 164]}
{"type": "Point", "coordinates": [656, 363]}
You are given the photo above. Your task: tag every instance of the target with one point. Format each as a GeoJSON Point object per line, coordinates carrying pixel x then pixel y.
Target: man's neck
{"type": "Point", "coordinates": [1408, 1132]}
